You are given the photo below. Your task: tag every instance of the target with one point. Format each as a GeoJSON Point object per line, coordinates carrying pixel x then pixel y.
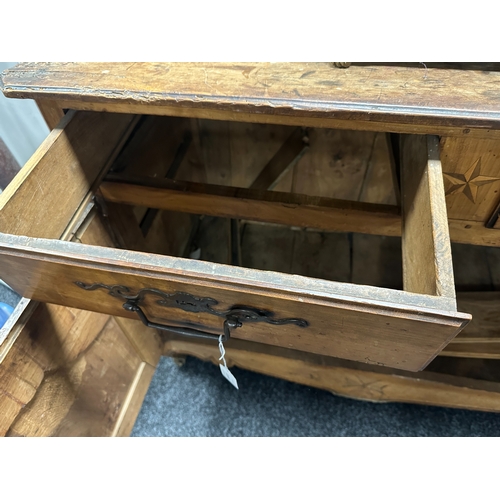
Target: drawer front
{"type": "Point", "coordinates": [386, 327]}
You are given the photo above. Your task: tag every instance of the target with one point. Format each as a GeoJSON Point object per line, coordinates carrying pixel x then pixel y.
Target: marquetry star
{"type": "Point", "coordinates": [468, 183]}
{"type": "Point", "coordinates": [364, 388]}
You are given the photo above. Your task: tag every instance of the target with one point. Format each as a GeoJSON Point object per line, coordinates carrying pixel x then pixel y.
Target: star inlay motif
{"type": "Point", "coordinates": [469, 182]}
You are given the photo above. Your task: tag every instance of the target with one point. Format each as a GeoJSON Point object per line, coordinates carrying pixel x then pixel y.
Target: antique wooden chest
{"type": "Point", "coordinates": [173, 204]}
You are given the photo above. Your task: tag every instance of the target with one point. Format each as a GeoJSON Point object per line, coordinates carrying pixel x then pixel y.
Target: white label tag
{"type": "Point", "coordinates": [223, 368]}
{"type": "Point", "coordinates": [228, 375]}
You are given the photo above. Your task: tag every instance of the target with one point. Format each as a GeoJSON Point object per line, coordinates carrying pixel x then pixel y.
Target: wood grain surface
{"type": "Point", "coordinates": [397, 99]}
{"type": "Point", "coordinates": [59, 174]}
{"type": "Point", "coordinates": [52, 113]}
{"type": "Point", "coordinates": [83, 397]}
{"type": "Point", "coordinates": [265, 206]}
{"type": "Point", "coordinates": [427, 263]}
{"type": "Point", "coordinates": [471, 170]}
{"type": "Point", "coordinates": [51, 193]}
{"type": "Point", "coordinates": [291, 151]}
{"type": "Point", "coordinates": [53, 337]}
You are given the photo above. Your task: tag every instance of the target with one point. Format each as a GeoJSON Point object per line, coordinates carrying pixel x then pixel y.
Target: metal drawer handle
{"type": "Point", "coordinates": [132, 306]}
{"type": "Point", "coordinates": [234, 317]}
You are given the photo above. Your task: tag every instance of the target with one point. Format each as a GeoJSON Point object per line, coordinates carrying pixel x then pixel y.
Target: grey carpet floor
{"type": "Point", "coordinates": [196, 401]}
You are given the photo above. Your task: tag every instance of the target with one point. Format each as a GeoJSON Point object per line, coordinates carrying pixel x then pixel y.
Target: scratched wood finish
{"type": "Point", "coordinates": [458, 222]}
{"type": "Point", "coordinates": [471, 170]}
{"type": "Point", "coordinates": [374, 325]}
{"type": "Point", "coordinates": [347, 378]}
{"type": "Point", "coordinates": [427, 264]}
{"type": "Point", "coordinates": [437, 100]}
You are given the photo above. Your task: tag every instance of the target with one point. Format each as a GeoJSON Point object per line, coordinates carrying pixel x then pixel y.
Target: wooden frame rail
{"type": "Point", "coordinates": [281, 208]}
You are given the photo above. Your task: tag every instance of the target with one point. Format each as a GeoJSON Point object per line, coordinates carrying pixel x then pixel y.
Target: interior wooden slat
{"type": "Point", "coordinates": [280, 208]}
{"type": "Point", "coordinates": [290, 152]}
{"type": "Point", "coordinates": [264, 206]}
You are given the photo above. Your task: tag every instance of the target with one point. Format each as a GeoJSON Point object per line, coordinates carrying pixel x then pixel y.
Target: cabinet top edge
{"type": "Point", "coordinates": [413, 96]}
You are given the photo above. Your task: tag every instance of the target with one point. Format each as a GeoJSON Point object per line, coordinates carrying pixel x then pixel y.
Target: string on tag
{"type": "Point", "coordinates": [223, 367]}
{"type": "Point", "coordinates": [222, 351]}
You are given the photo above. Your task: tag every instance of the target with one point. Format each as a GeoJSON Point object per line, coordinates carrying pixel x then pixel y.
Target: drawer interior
{"type": "Point", "coordinates": [320, 184]}
{"type": "Point", "coordinates": [300, 178]}
{"type": "Point", "coordinates": [330, 164]}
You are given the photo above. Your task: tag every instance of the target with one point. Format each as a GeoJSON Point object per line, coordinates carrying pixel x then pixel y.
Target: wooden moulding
{"type": "Point", "coordinates": [380, 98]}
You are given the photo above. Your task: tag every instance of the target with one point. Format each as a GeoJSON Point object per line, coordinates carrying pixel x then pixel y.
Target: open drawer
{"type": "Point", "coordinates": [403, 329]}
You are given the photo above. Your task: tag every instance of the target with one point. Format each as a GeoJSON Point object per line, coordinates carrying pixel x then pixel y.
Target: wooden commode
{"type": "Point", "coordinates": [309, 214]}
